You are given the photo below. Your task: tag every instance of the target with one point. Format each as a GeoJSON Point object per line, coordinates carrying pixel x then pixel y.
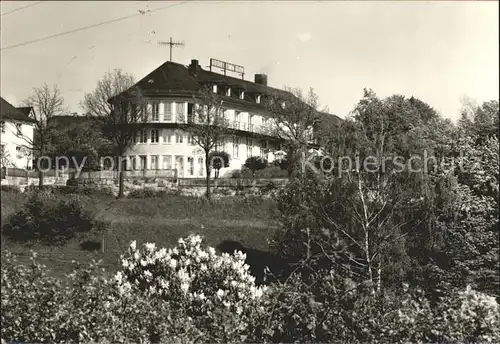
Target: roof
{"type": "Point", "coordinates": [9, 111]}
{"type": "Point", "coordinates": [175, 79]}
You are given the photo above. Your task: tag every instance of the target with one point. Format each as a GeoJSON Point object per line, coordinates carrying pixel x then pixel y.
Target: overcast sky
{"type": "Point", "coordinates": [435, 51]}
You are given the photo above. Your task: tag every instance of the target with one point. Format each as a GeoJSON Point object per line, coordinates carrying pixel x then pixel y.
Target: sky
{"type": "Point", "coordinates": [437, 51]}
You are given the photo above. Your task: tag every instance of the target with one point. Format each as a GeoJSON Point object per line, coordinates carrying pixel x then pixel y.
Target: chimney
{"type": "Point", "coordinates": [193, 67]}
{"type": "Point", "coordinates": [261, 79]}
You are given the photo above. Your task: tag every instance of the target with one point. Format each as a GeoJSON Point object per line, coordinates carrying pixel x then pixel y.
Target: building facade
{"type": "Point", "coordinates": [169, 92]}
{"type": "Point", "coordinates": [16, 134]}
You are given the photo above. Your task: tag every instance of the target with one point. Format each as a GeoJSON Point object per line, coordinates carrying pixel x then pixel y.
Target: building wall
{"type": "Point", "coordinates": [167, 148]}
{"type": "Point", "coordinates": [13, 145]}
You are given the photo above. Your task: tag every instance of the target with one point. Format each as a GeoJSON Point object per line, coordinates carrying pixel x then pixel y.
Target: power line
{"type": "Point", "coordinates": [21, 8]}
{"type": "Point", "coordinates": [91, 26]}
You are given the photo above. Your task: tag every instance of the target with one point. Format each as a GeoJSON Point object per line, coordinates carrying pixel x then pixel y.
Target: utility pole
{"type": "Point", "coordinates": [171, 44]}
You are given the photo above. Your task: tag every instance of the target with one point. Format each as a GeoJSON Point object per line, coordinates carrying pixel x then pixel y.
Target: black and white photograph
{"type": "Point", "coordinates": [250, 171]}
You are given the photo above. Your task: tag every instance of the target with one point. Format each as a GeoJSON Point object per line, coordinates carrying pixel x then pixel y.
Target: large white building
{"type": "Point", "coordinates": [16, 134]}
{"type": "Point", "coordinates": [169, 92]}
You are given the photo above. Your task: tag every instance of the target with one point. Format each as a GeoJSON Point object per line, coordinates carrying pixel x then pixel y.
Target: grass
{"type": "Point", "coordinates": [162, 221]}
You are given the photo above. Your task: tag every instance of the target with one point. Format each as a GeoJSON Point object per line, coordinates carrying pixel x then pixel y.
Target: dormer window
{"type": "Point", "coordinates": [242, 94]}
{"type": "Point", "coordinates": [257, 99]}
{"type": "Point", "coordinates": [228, 91]}
{"type": "Point", "coordinates": [214, 88]}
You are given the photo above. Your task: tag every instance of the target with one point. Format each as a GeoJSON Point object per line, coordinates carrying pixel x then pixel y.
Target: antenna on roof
{"type": "Point", "coordinates": [171, 44]}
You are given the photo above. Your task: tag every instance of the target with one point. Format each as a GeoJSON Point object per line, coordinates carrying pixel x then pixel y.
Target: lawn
{"type": "Point", "coordinates": [162, 221]}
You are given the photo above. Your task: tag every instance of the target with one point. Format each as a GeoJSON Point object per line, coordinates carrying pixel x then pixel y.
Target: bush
{"type": "Point", "coordinates": [215, 291]}
{"type": "Point", "coordinates": [188, 293]}
{"type": "Point", "coordinates": [148, 193]}
{"type": "Point", "coordinates": [44, 218]}
{"type": "Point", "coordinates": [11, 188]}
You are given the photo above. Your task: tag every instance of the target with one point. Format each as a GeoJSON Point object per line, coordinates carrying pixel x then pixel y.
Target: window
{"type": "Point", "coordinates": [242, 94]}
{"type": "Point", "coordinates": [178, 138]}
{"type": "Point", "coordinates": [249, 148]}
{"type": "Point", "coordinates": [18, 129]}
{"type": "Point", "coordinates": [131, 163]}
{"type": "Point", "coordinates": [168, 112]}
{"type": "Point", "coordinates": [214, 88]}
{"type": "Point", "coordinates": [236, 147]}
{"type": "Point", "coordinates": [228, 91]}
{"type": "Point", "coordinates": [155, 112]}
{"type": "Point", "coordinates": [19, 152]}
{"type": "Point", "coordinates": [180, 108]}
{"type": "Point", "coordinates": [190, 140]}
{"type": "Point", "coordinates": [167, 162]}
{"type": "Point", "coordinates": [154, 162]}
{"type": "Point", "coordinates": [257, 99]}
{"type": "Point", "coordinates": [155, 136]}
{"type": "Point", "coordinates": [143, 136]}
{"type": "Point", "coordinates": [191, 165]}
{"type": "Point", "coordinates": [167, 137]}
{"type": "Point", "coordinates": [201, 167]}
{"type": "Point", "coordinates": [142, 162]}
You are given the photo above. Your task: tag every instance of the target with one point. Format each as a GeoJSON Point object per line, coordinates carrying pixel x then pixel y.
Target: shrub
{"type": "Point", "coordinates": [11, 188]}
{"type": "Point", "coordinates": [87, 307]}
{"type": "Point", "coordinates": [469, 315]}
{"type": "Point", "coordinates": [44, 218]}
{"type": "Point", "coordinates": [148, 193]}
{"type": "Point", "coordinates": [219, 160]}
{"type": "Point", "coordinates": [255, 163]}
{"type": "Point", "coordinates": [216, 291]}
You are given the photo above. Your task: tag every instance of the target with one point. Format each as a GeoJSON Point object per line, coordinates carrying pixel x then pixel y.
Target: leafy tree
{"type": "Point", "coordinates": [294, 116]}
{"type": "Point", "coordinates": [357, 217]}
{"type": "Point", "coordinates": [218, 160]}
{"type": "Point", "coordinates": [82, 141]}
{"type": "Point", "coordinates": [120, 108]}
{"type": "Point", "coordinates": [480, 121]}
{"type": "Point", "coordinates": [207, 125]}
{"type": "Point", "coordinates": [47, 103]}
{"type": "Point", "coordinates": [255, 163]}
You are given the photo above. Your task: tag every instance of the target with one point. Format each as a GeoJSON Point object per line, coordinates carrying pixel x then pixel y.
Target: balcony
{"type": "Point", "coordinates": [253, 128]}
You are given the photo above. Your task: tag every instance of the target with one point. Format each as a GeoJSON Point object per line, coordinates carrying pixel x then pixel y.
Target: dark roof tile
{"type": "Point", "coordinates": [9, 111]}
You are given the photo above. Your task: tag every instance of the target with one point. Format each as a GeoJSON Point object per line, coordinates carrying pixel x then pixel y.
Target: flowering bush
{"type": "Point", "coordinates": [205, 284]}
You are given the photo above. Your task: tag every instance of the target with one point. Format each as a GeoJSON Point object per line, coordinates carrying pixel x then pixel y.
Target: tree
{"type": "Point", "coordinates": [121, 109]}
{"type": "Point", "coordinates": [47, 103]}
{"type": "Point", "coordinates": [255, 163]}
{"type": "Point", "coordinates": [294, 116]}
{"type": "Point", "coordinates": [207, 125]}
{"type": "Point", "coordinates": [218, 160]}
{"type": "Point", "coordinates": [82, 141]}
{"type": "Point", "coordinates": [357, 217]}
{"type": "Point", "coordinates": [480, 121]}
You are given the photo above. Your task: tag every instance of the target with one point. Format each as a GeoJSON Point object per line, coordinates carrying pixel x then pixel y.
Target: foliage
{"type": "Point", "coordinates": [255, 163]}
{"type": "Point", "coordinates": [10, 188]}
{"type": "Point", "coordinates": [293, 117]}
{"type": "Point", "coordinates": [120, 110]}
{"type": "Point", "coordinates": [218, 160]}
{"type": "Point", "coordinates": [149, 193]}
{"type": "Point", "coordinates": [46, 219]}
